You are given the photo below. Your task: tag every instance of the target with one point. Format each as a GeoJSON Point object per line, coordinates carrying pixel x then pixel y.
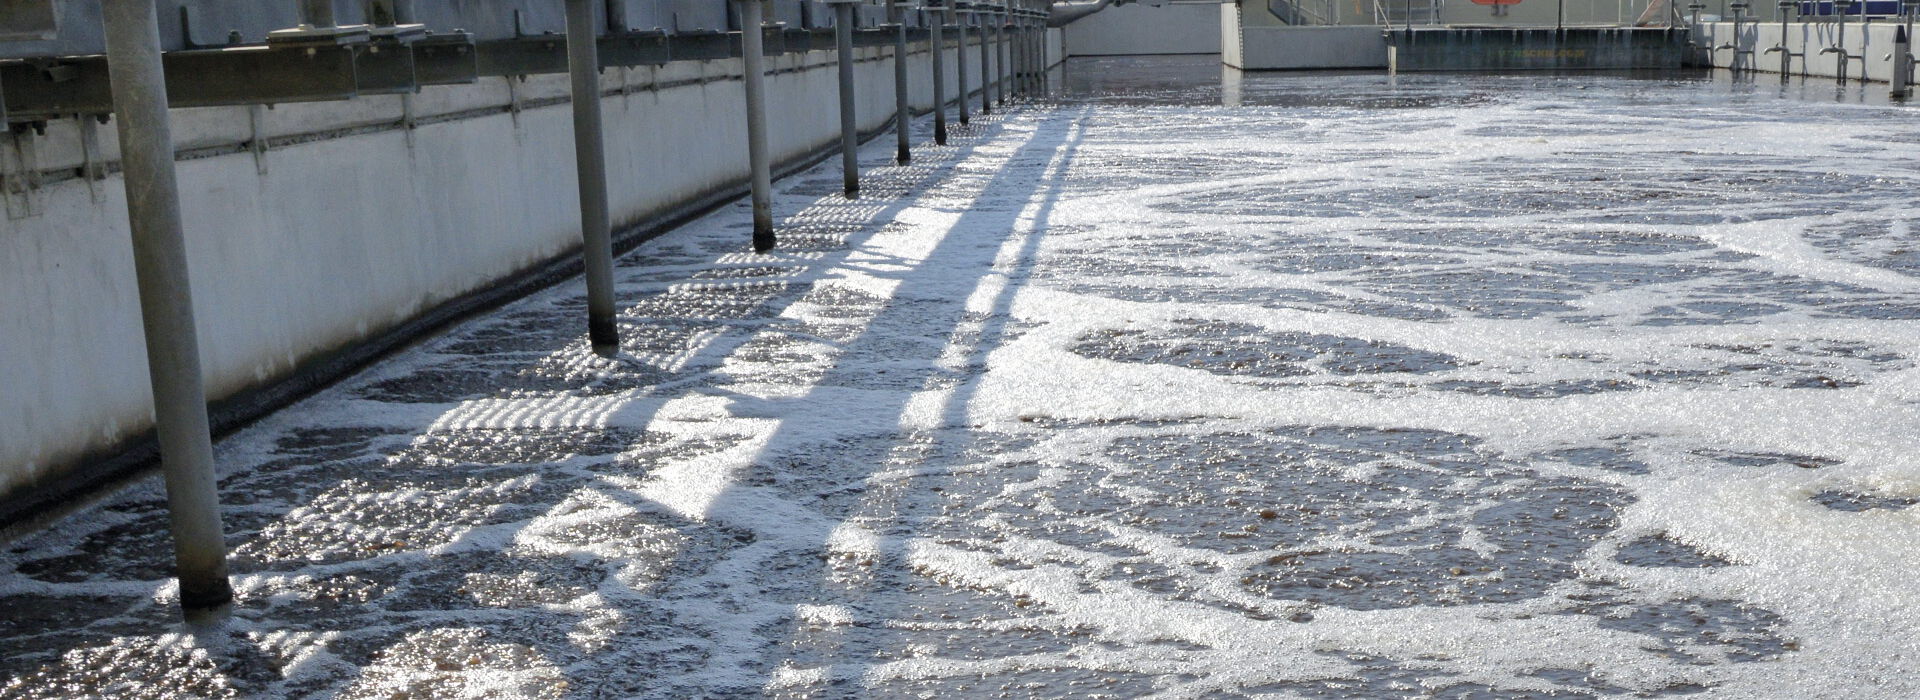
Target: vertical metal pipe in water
{"type": "Point", "coordinates": [753, 56]}
{"type": "Point", "coordinates": [1010, 38]}
{"type": "Point", "coordinates": [1902, 62]}
{"type": "Point", "coordinates": [590, 161]}
{"type": "Point", "coordinates": [902, 110]}
{"type": "Point", "coordinates": [1006, 54]}
{"type": "Point", "coordinates": [986, 63]}
{"type": "Point", "coordinates": [960, 62]}
{"type": "Point", "coordinates": [1037, 36]}
{"type": "Point", "coordinates": [1040, 57]}
{"type": "Point", "coordinates": [139, 89]}
{"type": "Point", "coordinates": [849, 125]}
{"type": "Point", "coordinates": [939, 16]}
{"type": "Point", "coordinates": [1046, 61]}
{"type": "Point", "coordinates": [1020, 59]}
{"type": "Point", "coordinates": [1840, 39]}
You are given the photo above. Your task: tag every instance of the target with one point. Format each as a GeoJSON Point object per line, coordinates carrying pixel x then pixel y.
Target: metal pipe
{"type": "Point", "coordinates": [1040, 59]}
{"type": "Point", "coordinates": [939, 77]}
{"type": "Point", "coordinates": [139, 89]}
{"type": "Point", "coordinates": [1839, 46]}
{"type": "Point", "coordinates": [1046, 64]}
{"type": "Point", "coordinates": [1786, 55]}
{"type": "Point", "coordinates": [590, 162]}
{"type": "Point", "coordinates": [1902, 62]}
{"type": "Point", "coordinates": [849, 124]}
{"type": "Point", "coordinates": [1012, 48]}
{"type": "Point", "coordinates": [1023, 59]}
{"type": "Point", "coordinates": [960, 65]}
{"type": "Point", "coordinates": [753, 55]}
{"type": "Point", "coordinates": [902, 110]}
{"type": "Point", "coordinates": [986, 63]}
{"type": "Point", "coordinates": [1006, 55]}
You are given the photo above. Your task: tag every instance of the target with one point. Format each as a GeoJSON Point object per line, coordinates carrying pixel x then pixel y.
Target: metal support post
{"type": "Point", "coordinates": [902, 110]}
{"type": "Point", "coordinates": [1006, 59]}
{"type": "Point", "coordinates": [1786, 55]}
{"type": "Point", "coordinates": [753, 56]}
{"type": "Point", "coordinates": [1902, 62]}
{"type": "Point", "coordinates": [1039, 58]}
{"type": "Point", "coordinates": [139, 89]}
{"type": "Point", "coordinates": [1040, 48]}
{"type": "Point", "coordinates": [1839, 47]}
{"type": "Point", "coordinates": [849, 123]}
{"type": "Point", "coordinates": [986, 63]}
{"type": "Point", "coordinates": [960, 58]}
{"type": "Point", "coordinates": [1017, 43]}
{"type": "Point", "coordinates": [939, 44]}
{"type": "Point", "coordinates": [590, 162]}
{"type": "Point", "coordinates": [1010, 46]}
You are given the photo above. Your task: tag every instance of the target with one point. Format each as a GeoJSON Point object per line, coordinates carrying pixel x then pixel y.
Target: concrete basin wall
{"type": "Point", "coordinates": [1872, 43]}
{"type": "Point", "coordinates": [1253, 47]}
{"type": "Point", "coordinates": [1573, 48]}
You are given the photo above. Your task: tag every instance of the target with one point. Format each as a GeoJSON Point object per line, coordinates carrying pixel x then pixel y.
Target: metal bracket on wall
{"type": "Point", "coordinates": [20, 168]}
{"type": "Point", "coordinates": [445, 59]}
{"type": "Point", "coordinates": [385, 64]}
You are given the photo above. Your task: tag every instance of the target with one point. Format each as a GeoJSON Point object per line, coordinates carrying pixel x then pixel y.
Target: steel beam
{"type": "Point", "coordinates": [250, 75]}
{"type": "Point", "coordinates": [139, 94]}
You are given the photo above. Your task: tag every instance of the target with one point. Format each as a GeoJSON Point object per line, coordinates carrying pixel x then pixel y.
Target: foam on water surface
{"type": "Point", "coordinates": [1446, 387]}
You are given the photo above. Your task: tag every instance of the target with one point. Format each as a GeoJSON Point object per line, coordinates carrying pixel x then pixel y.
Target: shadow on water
{"type": "Point", "coordinates": [876, 581]}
